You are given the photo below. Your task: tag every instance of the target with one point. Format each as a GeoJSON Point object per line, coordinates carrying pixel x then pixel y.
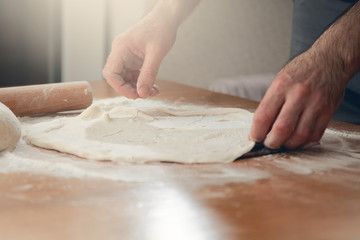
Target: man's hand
{"type": "Point", "coordinates": [304, 96]}
{"type": "Point", "coordinates": [300, 102]}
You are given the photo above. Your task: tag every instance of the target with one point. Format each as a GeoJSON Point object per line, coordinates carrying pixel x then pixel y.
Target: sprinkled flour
{"type": "Point", "coordinates": [140, 131]}
{"type": "Point", "coordinates": [337, 151]}
{"type": "Point", "coordinates": [44, 162]}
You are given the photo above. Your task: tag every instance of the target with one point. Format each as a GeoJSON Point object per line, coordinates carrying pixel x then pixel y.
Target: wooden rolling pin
{"type": "Point", "coordinates": [46, 98]}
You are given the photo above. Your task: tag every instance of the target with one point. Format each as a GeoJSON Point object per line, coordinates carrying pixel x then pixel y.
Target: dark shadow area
{"type": "Point", "coordinates": [30, 42]}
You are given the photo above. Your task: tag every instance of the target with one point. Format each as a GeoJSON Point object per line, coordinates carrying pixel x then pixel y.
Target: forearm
{"type": "Point", "coordinates": [340, 43]}
{"type": "Point", "coordinates": [173, 11]}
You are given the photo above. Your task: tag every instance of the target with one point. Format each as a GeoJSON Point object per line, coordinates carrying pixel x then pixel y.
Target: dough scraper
{"type": "Point", "coordinates": [260, 150]}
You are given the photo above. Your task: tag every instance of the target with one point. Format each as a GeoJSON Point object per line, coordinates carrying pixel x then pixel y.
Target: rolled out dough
{"type": "Point", "coordinates": [141, 131]}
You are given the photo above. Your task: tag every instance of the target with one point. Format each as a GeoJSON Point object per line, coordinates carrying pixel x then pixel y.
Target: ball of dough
{"type": "Point", "coordinates": [10, 129]}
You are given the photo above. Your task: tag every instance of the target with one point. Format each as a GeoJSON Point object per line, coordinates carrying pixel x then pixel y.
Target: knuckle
{"type": "Point", "coordinates": [109, 76]}
{"type": "Point", "coordinates": [283, 127]}
{"type": "Point", "coordinates": [105, 73]}
{"type": "Point", "coordinates": [302, 90]}
{"type": "Point", "coordinates": [279, 85]}
{"type": "Point", "coordinates": [281, 82]}
{"type": "Point", "coordinates": [117, 41]}
{"type": "Point", "coordinates": [320, 100]}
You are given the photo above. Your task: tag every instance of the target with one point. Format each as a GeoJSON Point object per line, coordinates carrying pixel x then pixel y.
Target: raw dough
{"type": "Point", "coordinates": [146, 131]}
{"type": "Point", "coordinates": [10, 130]}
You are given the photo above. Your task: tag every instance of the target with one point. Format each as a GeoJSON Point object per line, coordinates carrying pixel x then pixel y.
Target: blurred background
{"type": "Point", "coordinates": [68, 40]}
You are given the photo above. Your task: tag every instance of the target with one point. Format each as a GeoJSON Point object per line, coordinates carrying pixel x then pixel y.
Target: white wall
{"type": "Point", "coordinates": [83, 39]}
{"type": "Point", "coordinates": [122, 14]}
{"type": "Point", "coordinates": [220, 39]}
{"type": "Point", "coordinates": [230, 38]}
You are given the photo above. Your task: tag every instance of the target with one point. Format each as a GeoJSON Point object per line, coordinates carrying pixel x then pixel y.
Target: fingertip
{"type": "Point", "coordinates": [255, 135]}
{"type": "Point", "coordinates": [252, 138]}
{"type": "Point", "coordinates": [261, 125]}
{"type": "Point", "coordinates": [147, 76]}
{"type": "Point", "coordinates": [131, 94]}
{"type": "Point", "coordinates": [144, 91]}
{"type": "Point", "coordinates": [123, 89]}
{"type": "Point", "coordinates": [269, 142]}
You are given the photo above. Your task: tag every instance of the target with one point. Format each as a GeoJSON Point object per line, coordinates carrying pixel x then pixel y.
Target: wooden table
{"type": "Point", "coordinates": [304, 194]}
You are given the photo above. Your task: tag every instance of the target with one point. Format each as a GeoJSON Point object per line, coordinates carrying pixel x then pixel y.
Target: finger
{"type": "Point", "coordinates": [267, 111]}
{"type": "Point", "coordinates": [264, 117]}
{"type": "Point", "coordinates": [303, 130]}
{"type": "Point", "coordinates": [309, 123]}
{"type": "Point", "coordinates": [289, 116]}
{"type": "Point", "coordinates": [148, 74]}
{"type": "Point", "coordinates": [120, 86]}
{"type": "Point", "coordinates": [131, 77]}
{"type": "Point", "coordinates": [285, 123]}
{"type": "Point", "coordinates": [112, 73]}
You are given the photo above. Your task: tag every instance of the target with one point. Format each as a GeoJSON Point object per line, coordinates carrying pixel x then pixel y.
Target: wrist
{"type": "Point", "coordinates": [173, 12]}
{"type": "Point", "coordinates": [167, 11]}
{"type": "Point", "coordinates": [331, 63]}
{"type": "Point", "coordinates": [340, 43]}
{"type": "Point", "coordinates": [336, 57]}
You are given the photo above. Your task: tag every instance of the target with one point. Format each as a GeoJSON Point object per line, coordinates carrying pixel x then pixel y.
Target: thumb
{"type": "Point", "coordinates": [148, 74]}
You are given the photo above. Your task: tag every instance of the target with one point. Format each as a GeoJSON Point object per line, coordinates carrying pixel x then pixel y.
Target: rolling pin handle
{"type": "Point", "coordinates": [47, 98]}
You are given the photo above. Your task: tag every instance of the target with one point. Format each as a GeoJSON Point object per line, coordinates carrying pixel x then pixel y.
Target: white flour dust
{"type": "Point", "coordinates": [65, 166]}
{"type": "Point", "coordinates": [336, 150]}
{"type": "Point", "coordinates": [140, 131]}
{"type": "Point", "coordinates": [29, 159]}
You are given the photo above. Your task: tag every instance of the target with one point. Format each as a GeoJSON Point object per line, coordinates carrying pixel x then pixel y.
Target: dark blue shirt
{"type": "Point", "coordinates": [310, 19]}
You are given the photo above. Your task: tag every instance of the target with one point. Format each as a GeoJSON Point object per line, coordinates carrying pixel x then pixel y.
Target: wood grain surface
{"type": "Point", "coordinates": [311, 193]}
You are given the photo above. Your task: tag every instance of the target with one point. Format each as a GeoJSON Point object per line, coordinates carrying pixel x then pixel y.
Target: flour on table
{"type": "Point", "coordinates": [139, 131]}
{"type": "Point", "coordinates": [34, 161]}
